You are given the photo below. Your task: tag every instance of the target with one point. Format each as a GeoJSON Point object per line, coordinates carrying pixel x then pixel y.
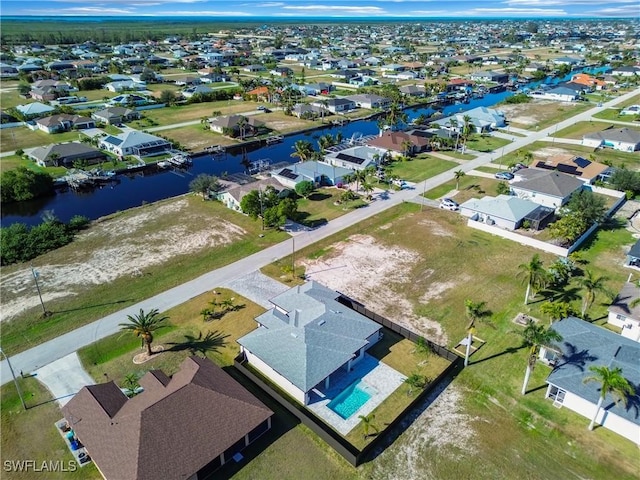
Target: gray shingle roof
{"type": "Point", "coordinates": [584, 345]}
{"type": "Point", "coordinates": [623, 303]}
{"type": "Point", "coordinates": [551, 183]}
{"type": "Point", "coordinates": [626, 135]}
{"type": "Point", "coordinates": [313, 339]}
{"type": "Point", "coordinates": [503, 206]}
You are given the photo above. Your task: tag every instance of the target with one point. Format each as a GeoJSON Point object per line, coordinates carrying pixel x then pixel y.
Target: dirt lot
{"type": "Point", "coordinates": [128, 253]}
{"type": "Point", "coordinates": [532, 113]}
{"type": "Point", "coordinates": [366, 271]}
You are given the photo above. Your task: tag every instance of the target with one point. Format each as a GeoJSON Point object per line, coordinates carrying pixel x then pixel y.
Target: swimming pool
{"type": "Point", "coordinates": [351, 399]}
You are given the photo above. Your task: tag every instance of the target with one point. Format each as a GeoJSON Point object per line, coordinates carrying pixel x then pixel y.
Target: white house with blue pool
{"type": "Point", "coordinates": [307, 339]}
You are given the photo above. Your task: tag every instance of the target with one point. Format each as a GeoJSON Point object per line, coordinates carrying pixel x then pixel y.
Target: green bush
{"type": "Point", "coordinates": [22, 184]}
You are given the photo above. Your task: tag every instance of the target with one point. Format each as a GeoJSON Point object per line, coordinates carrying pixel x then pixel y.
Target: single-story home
{"type": "Point", "coordinates": [369, 100]}
{"type": "Point", "coordinates": [64, 154]}
{"type": "Point", "coordinates": [624, 312]}
{"type": "Point", "coordinates": [483, 119]}
{"type": "Point", "coordinates": [115, 115]}
{"type": "Point", "coordinates": [562, 94]}
{"type": "Point", "coordinates": [64, 122]}
{"type": "Point", "coordinates": [584, 169]}
{"type": "Point", "coordinates": [497, 77]}
{"type": "Point", "coordinates": [184, 426]}
{"type": "Point", "coordinates": [306, 337]}
{"type": "Point", "coordinates": [399, 143]}
{"type": "Point", "coordinates": [355, 158]}
{"type": "Point", "coordinates": [318, 172]}
{"type": "Point", "coordinates": [623, 139]}
{"type": "Point", "coordinates": [232, 197]}
{"type": "Point", "coordinates": [133, 142]}
{"type": "Point", "coordinates": [626, 71]}
{"type": "Point", "coordinates": [35, 109]}
{"type": "Point", "coordinates": [413, 90]}
{"type": "Point", "coordinates": [125, 85]}
{"type": "Point", "coordinates": [336, 105]}
{"type": "Point", "coordinates": [631, 110]}
{"type": "Point", "coordinates": [545, 187]}
{"type": "Point", "coordinates": [304, 110]}
{"type": "Point", "coordinates": [236, 125]}
{"type": "Point", "coordinates": [129, 99]}
{"type": "Point", "coordinates": [505, 211]}
{"type": "Point", "coordinates": [196, 90]}
{"type": "Point", "coordinates": [584, 345]}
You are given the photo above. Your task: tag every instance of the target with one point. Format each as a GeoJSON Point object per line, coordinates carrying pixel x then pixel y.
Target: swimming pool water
{"type": "Point", "coordinates": [350, 400]}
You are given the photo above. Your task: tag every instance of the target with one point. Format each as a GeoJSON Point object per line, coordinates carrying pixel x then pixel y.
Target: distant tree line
{"type": "Point", "coordinates": [20, 243]}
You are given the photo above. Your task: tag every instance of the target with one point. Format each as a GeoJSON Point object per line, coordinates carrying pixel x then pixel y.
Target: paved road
{"type": "Point", "coordinates": [68, 343]}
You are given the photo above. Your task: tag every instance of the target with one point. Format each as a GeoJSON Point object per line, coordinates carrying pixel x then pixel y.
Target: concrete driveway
{"type": "Point", "coordinates": [64, 377]}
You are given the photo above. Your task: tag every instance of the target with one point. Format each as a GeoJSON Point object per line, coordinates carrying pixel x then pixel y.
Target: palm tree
{"type": "Point", "coordinates": [348, 178]}
{"type": "Point", "coordinates": [144, 325]}
{"type": "Point", "coordinates": [367, 188]}
{"type": "Point", "coordinates": [466, 130]}
{"type": "Point", "coordinates": [592, 285]}
{"type": "Point", "coordinates": [556, 310]}
{"type": "Point", "coordinates": [535, 336]}
{"type": "Point", "coordinates": [242, 125]}
{"type": "Point", "coordinates": [474, 311]}
{"type": "Point", "coordinates": [303, 150]}
{"type": "Point", "coordinates": [367, 423]}
{"type": "Point", "coordinates": [458, 174]}
{"type": "Point", "coordinates": [359, 176]}
{"type": "Point", "coordinates": [534, 274]}
{"type": "Point", "coordinates": [415, 380]}
{"type": "Point", "coordinates": [611, 382]}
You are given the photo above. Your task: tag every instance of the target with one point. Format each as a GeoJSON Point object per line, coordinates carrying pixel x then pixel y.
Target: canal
{"type": "Point", "coordinates": [137, 188]}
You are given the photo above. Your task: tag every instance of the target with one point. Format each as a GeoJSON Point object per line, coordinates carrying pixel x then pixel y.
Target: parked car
{"type": "Point", "coordinates": [504, 176]}
{"type": "Point", "coordinates": [449, 204]}
{"type": "Point", "coordinates": [261, 108]}
{"type": "Point", "coordinates": [518, 166]}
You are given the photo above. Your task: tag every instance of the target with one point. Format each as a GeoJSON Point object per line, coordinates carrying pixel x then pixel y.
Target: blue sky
{"type": "Point", "coordinates": [327, 8]}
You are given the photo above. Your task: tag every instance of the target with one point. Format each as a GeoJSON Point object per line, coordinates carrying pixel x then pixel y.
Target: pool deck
{"type": "Point", "coordinates": [382, 378]}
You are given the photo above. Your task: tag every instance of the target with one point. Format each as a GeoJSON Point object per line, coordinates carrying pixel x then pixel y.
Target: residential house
{"type": "Point", "coordinates": [282, 72]}
{"type": "Point", "coordinates": [631, 110]}
{"type": "Point", "coordinates": [623, 139]}
{"type": "Point", "coordinates": [184, 426]}
{"type": "Point", "coordinates": [48, 90]}
{"type": "Point", "coordinates": [65, 154]}
{"type": "Point", "coordinates": [133, 142]}
{"type": "Point", "coordinates": [624, 312]}
{"type": "Point", "coordinates": [496, 77]}
{"type": "Point", "coordinates": [567, 61]}
{"type": "Point", "coordinates": [320, 88]}
{"type": "Point", "coordinates": [115, 115]}
{"type": "Point", "coordinates": [304, 110]}
{"type": "Point", "coordinates": [589, 81]}
{"type": "Point", "coordinates": [253, 68]}
{"type": "Point", "coordinates": [562, 94]}
{"type": "Point", "coordinates": [369, 100]}
{"type": "Point", "coordinates": [355, 158]}
{"type": "Point", "coordinates": [545, 187]}
{"type": "Point", "coordinates": [413, 90]}
{"type": "Point", "coordinates": [336, 105]}
{"type": "Point", "coordinates": [506, 211]}
{"type": "Point", "coordinates": [586, 170]}
{"type": "Point", "coordinates": [128, 99]}
{"type": "Point", "coordinates": [187, 81]}
{"type": "Point", "coordinates": [125, 85]}
{"type": "Point", "coordinates": [33, 110]}
{"type": "Point", "coordinates": [585, 345]}
{"type": "Point", "coordinates": [626, 71]}
{"type": "Point", "coordinates": [236, 125]}
{"type": "Point", "coordinates": [233, 196]}
{"type": "Point", "coordinates": [319, 173]}
{"type": "Point", "coordinates": [483, 119]}
{"type": "Point", "coordinates": [196, 90]}
{"type": "Point", "coordinates": [305, 338]}
{"type": "Point", "coordinates": [633, 257]}
{"type": "Point", "coordinates": [64, 122]}
{"type": "Point", "coordinates": [399, 143]}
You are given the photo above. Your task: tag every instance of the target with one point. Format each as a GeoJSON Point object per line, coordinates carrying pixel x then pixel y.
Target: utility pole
{"type": "Point", "coordinates": [34, 272]}
{"type": "Point", "coordinates": [293, 257]}
{"type": "Point", "coordinates": [13, 375]}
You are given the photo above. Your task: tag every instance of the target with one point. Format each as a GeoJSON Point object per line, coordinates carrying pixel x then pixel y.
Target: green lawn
{"type": "Point", "coordinates": [92, 302]}
{"type": "Point", "coordinates": [458, 155]}
{"type": "Point", "coordinates": [13, 161]}
{"type": "Point", "coordinates": [614, 114]}
{"type": "Point", "coordinates": [562, 113]}
{"type": "Point", "coordinates": [196, 111]}
{"type": "Point", "coordinates": [579, 129]}
{"type": "Point", "coordinates": [470, 187]}
{"type": "Point", "coordinates": [320, 207]}
{"type": "Point", "coordinates": [420, 168]}
{"type": "Point", "coordinates": [632, 101]}
{"type": "Point", "coordinates": [486, 143]}
{"type": "Point", "coordinates": [22, 137]}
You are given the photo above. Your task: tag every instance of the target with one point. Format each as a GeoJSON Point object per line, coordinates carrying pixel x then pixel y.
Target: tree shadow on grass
{"type": "Point", "coordinates": [317, 196]}
{"type": "Point", "coordinates": [126, 300]}
{"type": "Point", "coordinates": [506, 351]}
{"type": "Point", "coordinates": [201, 344]}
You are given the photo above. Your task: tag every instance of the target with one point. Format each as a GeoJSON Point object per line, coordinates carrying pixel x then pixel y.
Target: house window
{"type": "Point", "coordinates": [557, 395]}
{"type": "Point", "coordinates": [621, 317]}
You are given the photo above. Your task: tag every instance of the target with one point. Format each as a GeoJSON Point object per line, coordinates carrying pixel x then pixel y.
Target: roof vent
{"type": "Point", "coordinates": [322, 322]}
{"type": "Point", "coordinates": [294, 335]}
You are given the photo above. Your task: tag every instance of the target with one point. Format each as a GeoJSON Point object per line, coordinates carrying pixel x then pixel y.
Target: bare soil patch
{"type": "Point", "coordinates": [368, 271]}
{"type": "Point", "coordinates": [135, 242]}
{"type": "Point", "coordinates": [532, 113]}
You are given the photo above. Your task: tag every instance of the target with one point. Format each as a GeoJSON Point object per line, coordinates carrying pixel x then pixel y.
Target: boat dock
{"type": "Point", "coordinates": [274, 139]}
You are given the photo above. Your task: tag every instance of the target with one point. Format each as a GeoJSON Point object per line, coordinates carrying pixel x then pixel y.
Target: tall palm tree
{"type": "Point", "coordinates": [535, 336]}
{"type": "Point", "coordinates": [592, 286]}
{"type": "Point", "coordinates": [458, 174]}
{"type": "Point", "coordinates": [556, 310]}
{"type": "Point", "coordinates": [466, 130]}
{"type": "Point", "coordinates": [360, 176]}
{"type": "Point", "coordinates": [475, 311]}
{"type": "Point", "coordinates": [367, 423]}
{"type": "Point", "coordinates": [611, 382]}
{"type": "Point", "coordinates": [143, 325]}
{"type": "Point", "coordinates": [303, 150]}
{"type": "Point", "coordinates": [534, 274]}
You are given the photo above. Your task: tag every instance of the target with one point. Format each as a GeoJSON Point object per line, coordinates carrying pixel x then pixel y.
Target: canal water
{"type": "Point", "coordinates": [148, 186]}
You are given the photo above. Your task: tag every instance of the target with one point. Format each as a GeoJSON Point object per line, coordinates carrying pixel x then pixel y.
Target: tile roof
{"type": "Point", "coordinates": [172, 429]}
{"type": "Point", "coordinates": [313, 339]}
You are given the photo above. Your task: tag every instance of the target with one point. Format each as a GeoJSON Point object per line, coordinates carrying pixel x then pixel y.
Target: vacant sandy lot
{"type": "Point", "coordinates": [532, 113]}
{"type": "Point", "coordinates": [368, 272]}
{"type": "Point", "coordinates": [130, 250]}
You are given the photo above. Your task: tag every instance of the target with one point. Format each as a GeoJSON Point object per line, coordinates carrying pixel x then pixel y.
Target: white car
{"type": "Point", "coordinates": [449, 204]}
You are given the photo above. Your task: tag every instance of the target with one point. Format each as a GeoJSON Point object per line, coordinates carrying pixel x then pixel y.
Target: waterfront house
{"type": "Point", "coordinates": [336, 105]}
{"type": "Point", "coordinates": [305, 338]}
{"type": "Point", "coordinates": [65, 154]}
{"type": "Point", "coordinates": [115, 115]}
{"type": "Point", "coordinates": [355, 158]}
{"type": "Point", "coordinates": [133, 142]}
{"type": "Point", "coordinates": [236, 125]}
{"type": "Point", "coordinates": [584, 345]}
{"type": "Point", "coordinates": [369, 100]}
{"type": "Point", "coordinates": [33, 110]}
{"type": "Point", "coordinates": [232, 197]}
{"type": "Point", "coordinates": [319, 173]}
{"type": "Point", "coordinates": [182, 427]}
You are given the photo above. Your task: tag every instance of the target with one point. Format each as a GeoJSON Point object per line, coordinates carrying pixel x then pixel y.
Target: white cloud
{"type": "Point", "coordinates": [83, 11]}
{"type": "Point", "coordinates": [337, 8]}
{"type": "Point", "coordinates": [554, 3]}
{"type": "Point", "coordinates": [622, 11]}
{"type": "Point", "coordinates": [202, 13]}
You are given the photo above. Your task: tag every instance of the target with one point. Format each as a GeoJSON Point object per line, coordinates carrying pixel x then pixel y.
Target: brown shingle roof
{"type": "Point", "coordinates": [168, 431]}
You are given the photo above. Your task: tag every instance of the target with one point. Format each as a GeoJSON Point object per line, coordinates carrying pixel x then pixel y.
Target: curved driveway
{"type": "Point", "coordinates": [59, 347]}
